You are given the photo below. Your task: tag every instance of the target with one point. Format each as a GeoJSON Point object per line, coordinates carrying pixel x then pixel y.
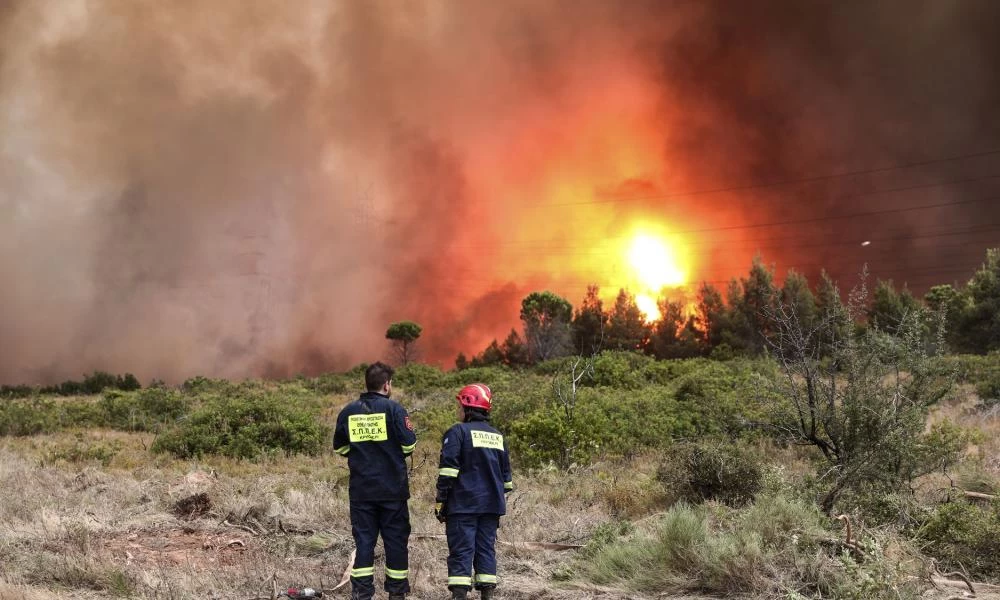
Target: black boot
{"type": "Point", "coordinates": [397, 596]}
{"type": "Point", "coordinates": [486, 593]}
{"type": "Point", "coordinates": [459, 593]}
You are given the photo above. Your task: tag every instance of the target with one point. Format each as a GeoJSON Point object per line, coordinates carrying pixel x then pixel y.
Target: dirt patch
{"type": "Point", "coordinates": [192, 507]}
{"type": "Point", "coordinates": [200, 550]}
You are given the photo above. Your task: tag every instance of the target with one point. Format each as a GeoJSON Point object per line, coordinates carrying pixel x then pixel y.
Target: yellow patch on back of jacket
{"type": "Point", "coordinates": [485, 439]}
{"type": "Point", "coordinates": [367, 428]}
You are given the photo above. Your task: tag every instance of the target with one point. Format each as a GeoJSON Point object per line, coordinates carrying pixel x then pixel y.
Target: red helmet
{"type": "Point", "coordinates": [476, 395]}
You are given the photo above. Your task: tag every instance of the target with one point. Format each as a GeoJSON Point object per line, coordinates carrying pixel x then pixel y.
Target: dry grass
{"type": "Point", "coordinates": [979, 470]}
{"type": "Point", "coordinates": [81, 523]}
{"type": "Point", "coordinates": [91, 514]}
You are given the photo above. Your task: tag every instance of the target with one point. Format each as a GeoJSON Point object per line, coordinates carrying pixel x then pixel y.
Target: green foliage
{"type": "Point", "coordinates": [41, 414]}
{"type": "Point", "coordinates": [590, 323]}
{"type": "Point", "coordinates": [963, 535]}
{"type": "Point", "coordinates": [865, 408]}
{"type": "Point", "coordinates": [204, 385]}
{"type": "Point", "coordinates": [248, 425]}
{"type": "Point", "coordinates": [724, 472]}
{"type": "Point", "coordinates": [620, 369]}
{"type": "Point", "coordinates": [768, 549]}
{"type": "Point", "coordinates": [979, 322]}
{"type": "Point", "coordinates": [145, 410]}
{"type": "Point", "coordinates": [546, 318]}
{"type": "Point", "coordinates": [986, 377]}
{"type": "Point", "coordinates": [83, 451]}
{"type": "Point", "coordinates": [490, 356]}
{"type": "Point", "coordinates": [675, 335]}
{"type": "Point", "coordinates": [889, 308]}
{"type": "Point", "coordinates": [750, 302]}
{"type": "Point", "coordinates": [328, 383]}
{"type": "Point", "coordinates": [17, 391]}
{"type": "Point", "coordinates": [403, 334]}
{"type": "Point", "coordinates": [795, 294]}
{"type": "Point", "coordinates": [627, 328]}
{"type": "Point", "coordinates": [711, 315]}
{"type": "Point", "coordinates": [405, 331]}
{"type": "Point", "coordinates": [29, 416]}
{"type": "Point", "coordinates": [513, 352]}
{"type": "Point", "coordinates": [94, 383]}
{"type": "Point", "coordinates": [417, 378]}
{"type": "Point", "coordinates": [607, 534]}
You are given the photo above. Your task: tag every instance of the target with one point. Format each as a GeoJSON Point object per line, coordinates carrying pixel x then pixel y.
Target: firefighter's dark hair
{"type": "Point", "coordinates": [376, 376]}
{"type": "Point", "coordinates": [471, 411]}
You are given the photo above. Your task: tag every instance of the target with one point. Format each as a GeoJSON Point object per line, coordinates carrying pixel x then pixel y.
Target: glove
{"type": "Point", "coordinates": [439, 511]}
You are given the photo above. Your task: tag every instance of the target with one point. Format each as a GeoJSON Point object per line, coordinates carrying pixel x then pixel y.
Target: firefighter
{"type": "Point", "coordinates": [376, 436]}
{"type": "Point", "coordinates": [473, 478]}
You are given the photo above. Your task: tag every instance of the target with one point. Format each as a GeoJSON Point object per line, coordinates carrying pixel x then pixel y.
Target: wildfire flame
{"type": "Point", "coordinates": [656, 265]}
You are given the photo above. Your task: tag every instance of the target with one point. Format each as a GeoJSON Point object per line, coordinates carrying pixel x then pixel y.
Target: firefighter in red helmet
{"type": "Point", "coordinates": [473, 480]}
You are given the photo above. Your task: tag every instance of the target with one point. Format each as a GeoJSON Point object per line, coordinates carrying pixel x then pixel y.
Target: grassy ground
{"type": "Point", "coordinates": [93, 514]}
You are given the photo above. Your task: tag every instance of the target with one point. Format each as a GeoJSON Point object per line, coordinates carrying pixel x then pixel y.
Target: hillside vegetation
{"type": "Point", "coordinates": [803, 447]}
{"type": "Point", "coordinates": [672, 475]}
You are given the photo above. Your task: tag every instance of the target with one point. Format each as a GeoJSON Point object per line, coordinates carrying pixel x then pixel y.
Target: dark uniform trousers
{"type": "Point", "coordinates": [472, 547]}
{"type": "Point", "coordinates": [392, 520]}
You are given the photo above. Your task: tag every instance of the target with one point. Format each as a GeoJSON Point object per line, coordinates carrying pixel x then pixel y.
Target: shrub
{"type": "Point", "coordinates": [81, 451]}
{"type": "Point", "coordinates": [988, 389]}
{"type": "Point", "coordinates": [620, 369]}
{"type": "Point", "coordinates": [766, 550]}
{"type": "Point", "coordinates": [145, 410]}
{"type": "Point", "coordinates": [328, 383]}
{"type": "Point", "coordinates": [17, 391]}
{"type": "Point", "coordinates": [28, 416]}
{"type": "Point", "coordinates": [246, 426]}
{"type": "Point", "coordinates": [607, 534]}
{"type": "Point", "coordinates": [499, 378]}
{"type": "Point", "coordinates": [417, 378]}
{"type": "Point", "coordinates": [964, 535]}
{"type": "Point", "coordinates": [713, 471]}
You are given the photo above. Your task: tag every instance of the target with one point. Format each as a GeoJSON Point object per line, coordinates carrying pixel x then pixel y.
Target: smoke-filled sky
{"type": "Point", "coordinates": [240, 188]}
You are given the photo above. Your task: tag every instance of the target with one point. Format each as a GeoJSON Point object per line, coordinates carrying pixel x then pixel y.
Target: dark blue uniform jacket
{"type": "Point", "coordinates": [474, 471]}
{"type": "Point", "coordinates": [376, 436]}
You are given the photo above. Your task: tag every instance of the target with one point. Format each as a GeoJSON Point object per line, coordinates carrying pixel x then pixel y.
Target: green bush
{"type": "Point", "coordinates": [17, 391]}
{"type": "Point", "coordinates": [92, 384]}
{"type": "Point", "coordinates": [202, 385]}
{"type": "Point", "coordinates": [770, 549]}
{"type": "Point", "coordinates": [329, 383]}
{"type": "Point", "coordinates": [724, 472]}
{"type": "Point", "coordinates": [28, 416]}
{"type": "Point", "coordinates": [619, 369]}
{"type": "Point", "coordinates": [41, 414]}
{"type": "Point", "coordinates": [82, 451]}
{"type": "Point", "coordinates": [419, 379]}
{"type": "Point", "coordinates": [964, 535]}
{"type": "Point", "coordinates": [498, 377]}
{"type": "Point", "coordinates": [988, 389]}
{"type": "Point", "coordinates": [246, 426]}
{"type": "Point", "coordinates": [145, 410]}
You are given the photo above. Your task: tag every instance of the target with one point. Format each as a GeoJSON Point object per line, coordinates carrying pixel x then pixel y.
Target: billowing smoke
{"type": "Point", "coordinates": [259, 187]}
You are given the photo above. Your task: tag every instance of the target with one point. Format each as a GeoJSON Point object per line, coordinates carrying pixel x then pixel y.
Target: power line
{"type": "Point", "coordinates": [766, 242]}
{"type": "Point", "coordinates": [768, 184]}
{"type": "Point", "coordinates": [802, 221]}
